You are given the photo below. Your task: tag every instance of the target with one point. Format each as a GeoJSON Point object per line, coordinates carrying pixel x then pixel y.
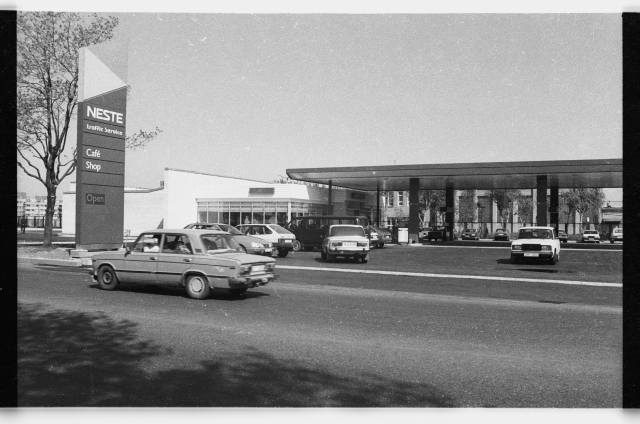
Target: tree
{"type": "Point", "coordinates": [525, 208]}
{"type": "Point", "coordinates": [582, 200]}
{"type": "Point", "coordinates": [47, 76]}
{"type": "Point", "coordinates": [466, 206]}
{"type": "Point", "coordinates": [504, 200]}
{"type": "Point", "coordinates": [433, 200]}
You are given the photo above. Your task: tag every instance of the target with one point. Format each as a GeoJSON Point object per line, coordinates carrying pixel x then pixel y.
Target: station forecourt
{"type": "Point", "coordinates": [546, 177]}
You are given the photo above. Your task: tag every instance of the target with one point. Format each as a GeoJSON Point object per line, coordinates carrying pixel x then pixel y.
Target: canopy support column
{"type": "Point", "coordinates": [414, 209]}
{"type": "Point", "coordinates": [541, 201]}
{"type": "Point", "coordinates": [330, 203]}
{"type": "Point", "coordinates": [449, 217]}
{"type": "Point", "coordinates": [554, 203]}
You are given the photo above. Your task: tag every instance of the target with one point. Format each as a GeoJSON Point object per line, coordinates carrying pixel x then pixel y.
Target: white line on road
{"type": "Point", "coordinates": [566, 249]}
{"type": "Point", "coordinates": [472, 277]}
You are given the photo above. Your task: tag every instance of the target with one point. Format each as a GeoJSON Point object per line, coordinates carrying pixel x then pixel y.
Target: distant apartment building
{"type": "Point", "coordinates": [34, 209]}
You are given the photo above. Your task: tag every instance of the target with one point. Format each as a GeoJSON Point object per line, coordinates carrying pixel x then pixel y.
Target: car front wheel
{"type": "Point", "coordinates": [282, 253]}
{"type": "Point", "coordinates": [297, 246]}
{"type": "Point", "coordinates": [198, 287]}
{"type": "Point", "coordinates": [323, 254]}
{"type": "Point", "coordinates": [554, 259]}
{"type": "Point", "coordinates": [107, 278]}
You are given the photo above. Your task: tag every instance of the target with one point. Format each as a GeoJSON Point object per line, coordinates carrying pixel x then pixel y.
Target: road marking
{"type": "Point", "coordinates": [471, 277]}
{"type": "Point", "coordinates": [566, 249]}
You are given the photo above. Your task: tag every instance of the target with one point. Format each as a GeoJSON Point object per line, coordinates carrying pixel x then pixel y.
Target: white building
{"type": "Point", "coordinates": [185, 197]}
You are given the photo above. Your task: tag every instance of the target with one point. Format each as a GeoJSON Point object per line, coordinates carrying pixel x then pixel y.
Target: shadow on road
{"type": "Point", "coordinates": [69, 358]}
{"type": "Point", "coordinates": [174, 291]}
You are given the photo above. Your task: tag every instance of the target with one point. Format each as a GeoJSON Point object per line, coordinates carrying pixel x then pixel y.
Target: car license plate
{"type": "Point", "coordinates": [533, 255]}
{"type": "Point", "coordinates": [284, 241]}
{"type": "Point", "coordinates": [349, 244]}
{"type": "Point", "coordinates": [257, 268]}
{"type": "Point", "coordinates": [268, 249]}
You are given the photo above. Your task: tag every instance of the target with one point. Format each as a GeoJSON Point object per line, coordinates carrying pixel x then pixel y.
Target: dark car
{"type": "Point", "coordinates": [470, 234]}
{"type": "Point", "coordinates": [378, 236]}
{"type": "Point", "coordinates": [501, 234]}
{"type": "Point", "coordinates": [562, 236]}
{"type": "Point", "coordinates": [248, 244]}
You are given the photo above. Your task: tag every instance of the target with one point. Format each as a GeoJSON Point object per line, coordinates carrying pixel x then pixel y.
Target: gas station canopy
{"type": "Point", "coordinates": [597, 173]}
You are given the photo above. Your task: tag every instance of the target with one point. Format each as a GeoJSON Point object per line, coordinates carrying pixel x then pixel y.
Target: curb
{"type": "Point", "coordinates": [77, 263]}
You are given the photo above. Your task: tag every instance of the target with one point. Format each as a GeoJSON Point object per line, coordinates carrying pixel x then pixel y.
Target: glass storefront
{"type": "Point", "coordinates": [255, 212]}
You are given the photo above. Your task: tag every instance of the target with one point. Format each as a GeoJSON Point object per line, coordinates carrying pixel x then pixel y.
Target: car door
{"type": "Point", "coordinates": [173, 260]}
{"type": "Point", "coordinates": [140, 264]}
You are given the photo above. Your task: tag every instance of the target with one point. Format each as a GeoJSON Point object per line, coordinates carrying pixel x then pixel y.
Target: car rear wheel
{"type": "Point", "coordinates": [282, 253]}
{"type": "Point", "coordinates": [107, 278]}
{"type": "Point", "coordinates": [297, 246]}
{"type": "Point", "coordinates": [198, 287]}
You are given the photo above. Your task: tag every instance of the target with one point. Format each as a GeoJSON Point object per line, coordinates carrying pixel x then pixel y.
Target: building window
{"type": "Point", "coordinates": [390, 195]}
{"type": "Point", "coordinates": [401, 198]}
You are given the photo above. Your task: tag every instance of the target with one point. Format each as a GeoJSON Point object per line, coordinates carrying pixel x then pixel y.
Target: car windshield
{"type": "Point", "coordinates": [346, 231]}
{"type": "Point", "coordinates": [500, 230]}
{"type": "Point", "coordinates": [469, 231]}
{"type": "Point", "coordinates": [230, 229]}
{"type": "Point", "coordinates": [535, 233]}
{"type": "Point", "coordinates": [278, 229]}
{"type": "Point", "coordinates": [617, 230]}
{"type": "Point", "coordinates": [591, 232]}
{"type": "Point", "coordinates": [219, 242]}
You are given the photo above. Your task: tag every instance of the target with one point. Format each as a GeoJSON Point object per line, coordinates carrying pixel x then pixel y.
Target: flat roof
{"type": "Point", "coordinates": [598, 173]}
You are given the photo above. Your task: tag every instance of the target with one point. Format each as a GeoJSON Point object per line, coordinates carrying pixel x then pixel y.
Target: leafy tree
{"type": "Point", "coordinates": [582, 200]}
{"type": "Point", "coordinates": [504, 199]}
{"type": "Point", "coordinates": [47, 76]}
{"type": "Point", "coordinates": [525, 208]}
{"type": "Point", "coordinates": [466, 206]}
{"type": "Point", "coordinates": [433, 200]}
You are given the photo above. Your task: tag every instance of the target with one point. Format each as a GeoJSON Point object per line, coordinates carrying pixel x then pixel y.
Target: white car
{"type": "Point", "coordinates": [348, 241]}
{"type": "Point", "coordinates": [281, 238]}
{"type": "Point", "coordinates": [536, 243]}
{"type": "Point", "coordinates": [616, 235]}
{"type": "Point", "coordinates": [590, 236]}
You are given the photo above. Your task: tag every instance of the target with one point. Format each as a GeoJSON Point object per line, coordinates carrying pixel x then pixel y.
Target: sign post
{"type": "Point", "coordinates": [101, 147]}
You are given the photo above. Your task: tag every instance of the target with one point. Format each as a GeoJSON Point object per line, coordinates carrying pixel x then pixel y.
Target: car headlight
{"type": "Point", "coordinates": [362, 244]}
{"type": "Point", "coordinates": [545, 248]}
{"type": "Point", "coordinates": [336, 243]}
{"type": "Point", "coordinates": [516, 247]}
{"type": "Point", "coordinates": [256, 245]}
{"type": "Point", "coordinates": [244, 269]}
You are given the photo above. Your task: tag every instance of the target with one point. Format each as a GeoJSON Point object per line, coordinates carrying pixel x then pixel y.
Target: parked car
{"type": "Point", "coordinates": [248, 244]}
{"type": "Point", "coordinates": [590, 236]}
{"type": "Point", "coordinates": [562, 236]}
{"type": "Point", "coordinates": [378, 236]}
{"type": "Point", "coordinates": [348, 241]}
{"type": "Point", "coordinates": [424, 232]}
{"type": "Point", "coordinates": [198, 260]}
{"type": "Point", "coordinates": [438, 233]}
{"type": "Point", "coordinates": [470, 234]}
{"type": "Point", "coordinates": [501, 234]}
{"type": "Point", "coordinates": [536, 243]}
{"type": "Point", "coordinates": [310, 229]}
{"type": "Point", "coordinates": [616, 235]}
{"type": "Point", "coordinates": [281, 238]}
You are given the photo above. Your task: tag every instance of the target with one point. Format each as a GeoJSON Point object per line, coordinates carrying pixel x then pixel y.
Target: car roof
{"type": "Point", "coordinates": [345, 225]}
{"type": "Point", "coordinates": [537, 228]}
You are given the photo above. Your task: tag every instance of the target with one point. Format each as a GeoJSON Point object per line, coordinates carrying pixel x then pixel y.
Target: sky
{"type": "Point", "coordinates": [249, 95]}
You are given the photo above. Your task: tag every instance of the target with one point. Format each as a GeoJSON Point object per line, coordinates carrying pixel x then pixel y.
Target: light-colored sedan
{"type": "Point", "coordinates": [248, 244]}
{"type": "Point", "coordinates": [198, 260]}
{"type": "Point", "coordinates": [348, 241]}
{"type": "Point", "coordinates": [281, 238]}
{"type": "Point", "coordinates": [536, 243]}
{"type": "Point", "coordinates": [616, 235]}
{"type": "Point", "coordinates": [590, 236]}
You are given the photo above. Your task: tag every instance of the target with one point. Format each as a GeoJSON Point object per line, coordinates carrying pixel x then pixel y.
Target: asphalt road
{"type": "Point", "coordinates": [333, 338]}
